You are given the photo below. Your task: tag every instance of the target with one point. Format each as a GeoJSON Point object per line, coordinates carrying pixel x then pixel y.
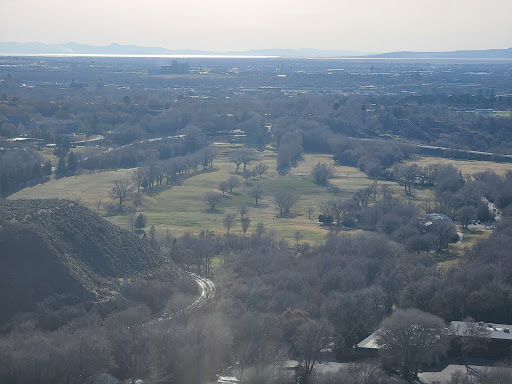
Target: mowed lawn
{"type": "Point", "coordinates": [180, 208]}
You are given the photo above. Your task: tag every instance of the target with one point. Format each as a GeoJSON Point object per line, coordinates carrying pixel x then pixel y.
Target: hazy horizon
{"type": "Point", "coordinates": [229, 25]}
{"type": "Point", "coordinates": [192, 49]}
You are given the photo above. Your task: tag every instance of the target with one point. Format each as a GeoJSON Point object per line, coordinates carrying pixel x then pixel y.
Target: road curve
{"type": "Point", "coordinates": [207, 292]}
{"type": "Point", "coordinates": [207, 288]}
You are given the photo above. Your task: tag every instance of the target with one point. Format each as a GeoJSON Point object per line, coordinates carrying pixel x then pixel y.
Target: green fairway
{"type": "Point", "coordinates": [180, 208]}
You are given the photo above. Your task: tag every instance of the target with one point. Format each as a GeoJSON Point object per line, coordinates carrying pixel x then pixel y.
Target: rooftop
{"type": "Point", "coordinates": [491, 330]}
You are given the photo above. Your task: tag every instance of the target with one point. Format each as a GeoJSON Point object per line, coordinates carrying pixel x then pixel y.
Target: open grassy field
{"type": "Point", "coordinates": [467, 167]}
{"type": "Point", "coordinates": [89, 188]}
{"type": "Point", "coordinates": [47, 154]}
{"type": "Point", "coordinates": [470, 237]}
{"type": "Point", "coordinates": [455, 252]}
{"type": "Point", "coordinates": [180, 208]}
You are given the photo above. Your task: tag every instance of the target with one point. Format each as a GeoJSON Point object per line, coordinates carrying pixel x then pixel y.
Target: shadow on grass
{"type": "Point", "coordinates": [288, 216]}
{"type": "Point", "coordinates": [214, 212]}
{"type": "Point", "coordinates": [177, 181]}
{"type": "Point", "coordinates": [260, 205]}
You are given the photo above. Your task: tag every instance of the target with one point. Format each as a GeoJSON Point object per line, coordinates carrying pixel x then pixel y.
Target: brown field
{"type": "Point", "coordinates": [467, 167]}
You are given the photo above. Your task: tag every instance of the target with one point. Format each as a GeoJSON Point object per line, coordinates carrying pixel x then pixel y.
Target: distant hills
{"type": "Point", "coordinates": [475, 54]}
{"type": "Point", "coordinates": [75, 48]}
{"type": "Point", "coordinates": [58, 248]}
{"type": "Point", "coordinates": [304, 52]}
{"type": "Point", "coordinates": [119, 49]}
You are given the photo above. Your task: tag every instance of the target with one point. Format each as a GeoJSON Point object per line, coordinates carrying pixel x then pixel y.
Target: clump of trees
{"type": "Point", "coordinates": [322, 172]}
{"type": "Point", "coordinates": [229, 184]}
{"type": "Point", "coordinates": [285, 201]}
{"type": "Point", "coordinates": [21, 168]}
{"type": "Point", "coordinates": [243, 156]}
{"type": "Point", "coordinates": [373, 158]}
{"type": "Point", "coordinates": [289, 151]}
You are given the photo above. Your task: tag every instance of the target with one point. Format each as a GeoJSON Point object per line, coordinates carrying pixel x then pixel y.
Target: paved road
{"type": "Point", "coordinates": [207, 292]}
{"type": "Point", "coordinates": [466, 151]}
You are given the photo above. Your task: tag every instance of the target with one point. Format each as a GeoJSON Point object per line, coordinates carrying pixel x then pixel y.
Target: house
{"type": "Point", "coordinates": [368, 347]}
{"type": "Point", "coordinates": [496, 339]}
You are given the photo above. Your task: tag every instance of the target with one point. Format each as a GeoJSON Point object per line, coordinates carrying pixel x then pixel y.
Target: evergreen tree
{"type": "Point", "coordinates": [47, 168]}
{"type": "Point", "coordinates": [72, 164]}
{"type": "Point", "coordinates": [37, 171]}
{"type": "Point", "coordinates": [140, 221]}
{"type": "Point", "coordinates": [61, 167]}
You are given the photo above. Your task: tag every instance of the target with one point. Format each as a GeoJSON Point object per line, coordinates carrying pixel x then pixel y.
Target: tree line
{"type": "Point", "coordinates": [20, 168]}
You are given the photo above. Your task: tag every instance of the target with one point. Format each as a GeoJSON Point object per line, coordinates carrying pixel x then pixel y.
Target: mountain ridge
{"type": "Point", "coordinates": [462, 54]}
{"type": "Point", "coordinates": [72, 48]}
{"type": "Point", "coordinates": [119, 49]}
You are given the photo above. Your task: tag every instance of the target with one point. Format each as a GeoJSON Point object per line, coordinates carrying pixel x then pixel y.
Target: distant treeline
{"type": "Point", "coordinates": [133, 155]}
{"type": "Point", "coordinates": [21, 168]}
{"type": "Point", "coordinates": [472, 122]}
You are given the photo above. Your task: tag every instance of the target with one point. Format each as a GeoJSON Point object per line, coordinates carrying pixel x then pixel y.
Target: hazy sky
{"type": "Point", "coordinates": [223, 25]}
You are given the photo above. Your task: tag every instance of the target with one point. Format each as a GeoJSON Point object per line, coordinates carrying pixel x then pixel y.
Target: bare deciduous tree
{"type": "Point", "coordinates": [406, 175]}
{"type": "Point", "coordinates": [243, 210]}
{"type": "Point", "coordinates": [228, 221]}
{"type": "Point", "coordinates": [334, 208]}
{"type": "Point", "coordinates": [232, 183]}
{"type": "Point", "coordinates": [322, 172]}
{"type": "Point", "coordinates": [310, 211]}
{"type": "Point", "coordinates": [131, 222]}
{"type": "Point", "coordinates": [212, 198]}
{"type": "Point", "coordinates": [298, 235]}
{"type": "Point", "coordinates": [410, 338]}
{"type": "Point", "coordinates": [245, 222]}
{"type": "Point", "coordinates": [243, 156]}
{"type": "Point", "coordinates": [120, 191]}
{"type": "Point", "coordinates": [260, 229]}
{"type": "Point", "coordinates": [312, 337]}
{"type": "Point", "coordinates": [285, 201]}
{"type": "Point", "coordinates": [260, 169]}
{"type": "Point", "coordinates": [256, 192]}
{"type": "Point", "coordinates": [138, 177]}
{"type": "Point", "coordinates": [223, 186]}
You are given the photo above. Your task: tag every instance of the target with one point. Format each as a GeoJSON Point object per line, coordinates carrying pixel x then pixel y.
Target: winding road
{"type": "Point", "coordinates": [207, 292]}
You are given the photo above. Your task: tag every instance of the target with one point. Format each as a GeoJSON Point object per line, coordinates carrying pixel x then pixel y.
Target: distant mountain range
{"type": "Point", "coordinates": [470, 54]}
{"type": "Point", "coordinates": [118, 49]}
{"type": "Point", "coordinates": [75, 48]}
